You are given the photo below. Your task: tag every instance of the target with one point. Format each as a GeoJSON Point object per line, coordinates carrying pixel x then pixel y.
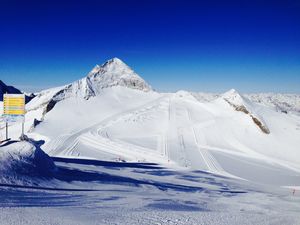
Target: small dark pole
{"type": "Point", "coordinates": [22, 129]}
{"type": "Point", "coordinates": [6, 131]}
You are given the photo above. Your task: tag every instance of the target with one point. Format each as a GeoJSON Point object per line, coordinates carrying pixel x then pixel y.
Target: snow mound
{"type": "Point", "coordinates": [242, 104]}
{"type": "Point", "coordinates": [205, 97]}
{"type": "Point", "coordinates": [20, 161]}
{"type": "Point", "coordinates": [185, 94]}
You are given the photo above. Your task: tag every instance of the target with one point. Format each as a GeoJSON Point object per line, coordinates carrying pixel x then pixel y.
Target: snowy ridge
{"type": "Point", "coordinates": [244, 105]}
{"type": "Point", "coordinates": [280, 102]}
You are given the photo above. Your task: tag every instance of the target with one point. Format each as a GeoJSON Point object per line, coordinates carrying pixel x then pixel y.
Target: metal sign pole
{"type": "Point", "coordinates": [6, 131]}
{"type": "Point", "coordinates": [22, 129]}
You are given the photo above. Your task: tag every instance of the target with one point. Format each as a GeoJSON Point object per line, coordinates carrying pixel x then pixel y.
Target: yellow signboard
{"type": "Point", "coordinates": [13, 106]}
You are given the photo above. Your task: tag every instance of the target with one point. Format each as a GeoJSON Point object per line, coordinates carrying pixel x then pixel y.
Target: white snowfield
{"type": "Point", "coordinates": [34, 190]}
{"type": "Point", "coordinates": [113, 114]}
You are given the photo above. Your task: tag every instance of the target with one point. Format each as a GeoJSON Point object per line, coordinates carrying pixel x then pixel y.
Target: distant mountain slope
{"type": "Point", "coordinates": [11, 90]}
{"type": "Point", "coordinates": [7, 89]}
{"type": "Point", "coordinates": [280, 102]}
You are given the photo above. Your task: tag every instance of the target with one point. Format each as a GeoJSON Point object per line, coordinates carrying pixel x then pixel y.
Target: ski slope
{"type": "Point", "coordinates": [112, 114]}
{"type": "Point", "coordinates": [174, 130]}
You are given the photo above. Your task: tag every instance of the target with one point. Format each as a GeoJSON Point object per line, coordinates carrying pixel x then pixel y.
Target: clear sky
{"type": "Point", "coordinates": [252, 46]}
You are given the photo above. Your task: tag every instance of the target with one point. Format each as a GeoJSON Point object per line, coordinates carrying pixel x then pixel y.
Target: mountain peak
{"type": "Point", "coordinates": [231, 92]}
{"type": "Point", "coordinates": [115, 72]}
{"type": "Point", "coordinates": [112, 65]}
{"type": "Point", "coordinates": [233, 96]}
{"type": "Point", "coordinates": [116, 60]}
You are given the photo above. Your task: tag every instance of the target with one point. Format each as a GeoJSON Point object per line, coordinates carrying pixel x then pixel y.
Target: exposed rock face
{"type": "Point", "coordinates": [113, 73]}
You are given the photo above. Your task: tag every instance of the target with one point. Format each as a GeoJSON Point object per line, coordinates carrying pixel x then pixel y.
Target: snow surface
{"type": "Point", "coordinates": [18, 160]}
{"type": "Point", "coordinates": [99, 192]}
{"type": "Point", "coordinates": [123, 149]}
{"type": "Point", "coordinates": [171, 129]}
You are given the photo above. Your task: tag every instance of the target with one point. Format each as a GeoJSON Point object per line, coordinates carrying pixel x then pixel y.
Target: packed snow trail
{"type": "Point", "coordinates": [65, 146]}
{"type": "Point", "coordinates": [178, 143]}
{"type": "Point", "coordinates": [182, 147]}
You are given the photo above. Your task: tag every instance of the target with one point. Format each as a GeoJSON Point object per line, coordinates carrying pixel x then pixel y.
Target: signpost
{"type": "Point", "coordinates": [14, 110]}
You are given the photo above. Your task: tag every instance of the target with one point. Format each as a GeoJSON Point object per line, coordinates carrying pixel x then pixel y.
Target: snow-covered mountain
{"type": "Point", "coordinates": [242, 104]}
{"type": "Point", "coordinates": [5, 89]}
{"type": "Point", "coordinates": [112, 73]}
{"type": "Point", "coordinates": [113, 114]}
{"type": "Point", "coordinates": [280, 102]}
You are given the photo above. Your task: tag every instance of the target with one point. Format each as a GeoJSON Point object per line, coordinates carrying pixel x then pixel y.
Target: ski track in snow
{"type": "Point", "coordinates": [185, 152]}
{"type": "Point", "coordinates": [177, 145]}
{"type": "Point", "coordinates": [71, 141]}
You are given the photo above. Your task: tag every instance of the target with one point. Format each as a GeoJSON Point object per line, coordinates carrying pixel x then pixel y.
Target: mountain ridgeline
{"type": "Point", "coordinates": [6, 89]}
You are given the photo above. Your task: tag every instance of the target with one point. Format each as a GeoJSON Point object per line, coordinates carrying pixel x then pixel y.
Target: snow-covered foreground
{"type": "Point", "coordinates": [100, 192]}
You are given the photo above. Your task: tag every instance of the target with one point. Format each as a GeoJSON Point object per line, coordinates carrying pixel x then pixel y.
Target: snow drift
{"type": "Point", "coordinates": [22, 161]}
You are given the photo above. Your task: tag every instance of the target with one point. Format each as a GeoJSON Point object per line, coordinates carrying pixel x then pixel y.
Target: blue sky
{"type": "Point", "coordinates": [252, 46]}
